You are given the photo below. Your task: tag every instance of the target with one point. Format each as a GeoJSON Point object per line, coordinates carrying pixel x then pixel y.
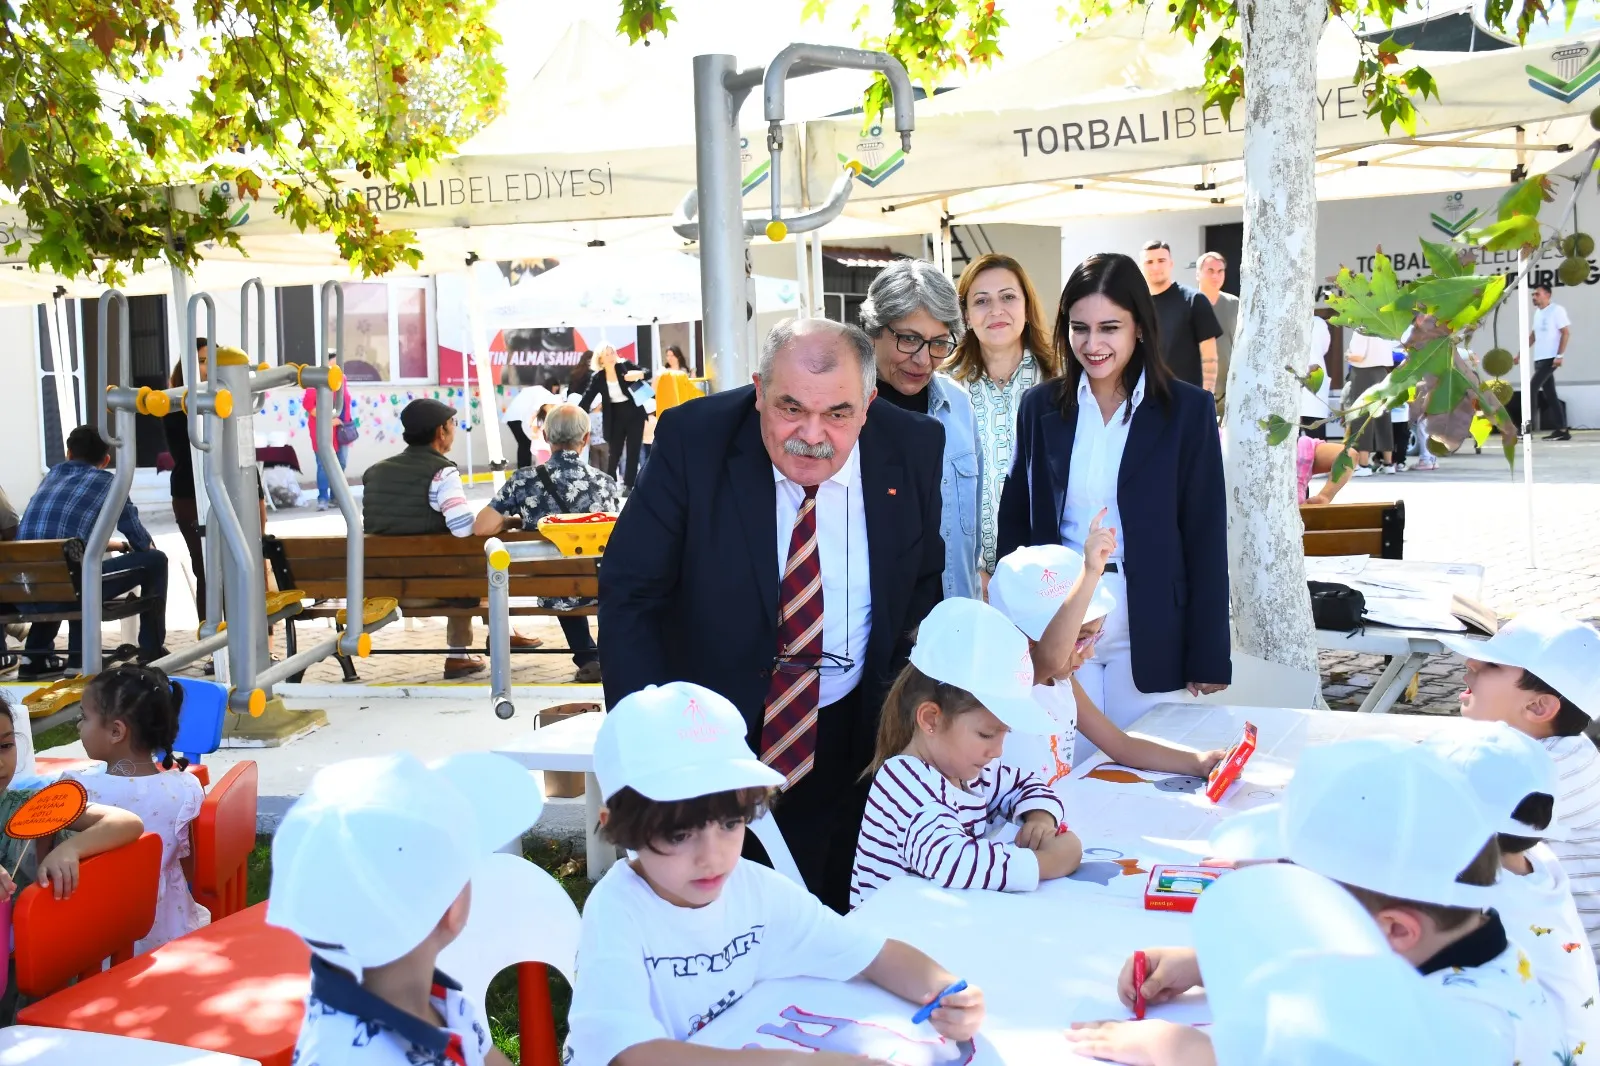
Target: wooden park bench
{"type": "Point", "coordinates": [1375, 529]}
{"type": "Point", "coordinates": [35, 572]}
{"type": "Point", "coordinates": [435, 567]}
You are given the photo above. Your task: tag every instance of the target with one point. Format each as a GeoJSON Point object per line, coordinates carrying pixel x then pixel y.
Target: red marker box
{"type": "Point", "coordinates": [1178, 888]}
{"type": "Point", "coordinates": [1226, 773]}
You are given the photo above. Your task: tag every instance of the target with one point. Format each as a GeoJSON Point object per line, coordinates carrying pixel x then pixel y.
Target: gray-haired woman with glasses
{"type": "Point", "coordinates": [913, 316]}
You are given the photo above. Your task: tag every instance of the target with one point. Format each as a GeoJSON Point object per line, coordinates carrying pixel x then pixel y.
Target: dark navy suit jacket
{"type": "Point", "coordinates": [1174, 534]}
{"type": "Point", "coordinates": [689, 580]}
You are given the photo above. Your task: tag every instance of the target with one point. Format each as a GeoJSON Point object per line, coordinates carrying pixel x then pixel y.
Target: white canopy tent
{"type": "Point", "coordinates": [608, 288]}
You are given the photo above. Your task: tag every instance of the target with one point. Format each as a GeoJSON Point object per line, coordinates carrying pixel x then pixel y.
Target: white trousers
{"type": "Point", "coordinates": [1108, 677]}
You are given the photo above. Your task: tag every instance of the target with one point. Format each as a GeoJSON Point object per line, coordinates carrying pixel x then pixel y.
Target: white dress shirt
{"type": "Point", "coordinates": [1097, 447]}
{"type": "Point", "coordinates": [846, 571]}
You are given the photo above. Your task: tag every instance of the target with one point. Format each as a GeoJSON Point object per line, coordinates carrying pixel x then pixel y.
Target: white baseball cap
{"type": "Point", "coordinates": [369, 859]}
{"type": "Point", "coordinates": [675, 742]}
{"type": "Point", "coordinates": [1560, 651]}
{"type": "Point", "coordinates": [1296, 970]}
{"type": "Point", "coordinates": [1380, 813]}
{"type": "Point", "coordinates": [1503, 765]}
{"type": "Point", "coordinates": [1031, 584]}
{"type": "Point", "coordinates": [969, 644]}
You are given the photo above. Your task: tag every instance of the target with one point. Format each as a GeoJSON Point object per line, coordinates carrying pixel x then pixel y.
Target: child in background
{"type": "Point", "coordinates": [372, 868]}
{"type": "Point", "coordinates": [1541, 676]}
{"type": "Point", "coordinates": [939, 785]}
{"type": "Point", "coordinates": [1295, 972]}
{"type": "Point", "coordinates": [1403, 830]}
{"type": "Point", "coordinates": [129, 713]}
{"type": "Point", "coordinates": [53, 863]}
{"type": "Point", "coordinates": [676, 935]}
{"type": "Point", "coordinates": [1030, 587]}
{"type": "Point", "coordinates": [1515, 779]}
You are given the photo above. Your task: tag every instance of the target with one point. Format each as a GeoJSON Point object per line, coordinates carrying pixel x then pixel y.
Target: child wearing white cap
{"type": "Point", "coordinates": [1540, 674]}
{"type": "Point", "coordinates": [1295, 972]}
{"type": "Point", "coordinates": [676, 935]}
{"type": "Point", "coordinates": [1055, 596]}
{"type": "Point", "coordinates": [939, 784]}
{"type": "Point", "coordinates": [372, 868]}
{"type": "Point", "coordinates": [1516, 780]}
{"type": "Point", "coordinates": [1402, 828]}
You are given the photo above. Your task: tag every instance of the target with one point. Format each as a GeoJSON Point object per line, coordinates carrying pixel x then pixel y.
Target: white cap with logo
{"type": "Point", "coordinates": [1560, 651]}
{"type": "Point", "coordinates": [969, 644]}
{"type": "Point", "coordinates": [1379, 813]}
{"type": "Point", "coordinates": [1504, 766]}
{"type": "Point", "coordinates": [369, 859]}
{"type": "Point", "coordinates": [675, 742]}
{"type": "Point", "coordinates": [1032, 583]}
{"type": "Point", "coordinates": [1297, 971]}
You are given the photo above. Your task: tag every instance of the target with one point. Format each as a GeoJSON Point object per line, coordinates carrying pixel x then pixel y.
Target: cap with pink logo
{"type": "Point", "coordinates": [674, 742]}
{"type": "Point", "coordinates": [1030, 585]}
{"type": "Point", "coordinates": [969, 644]}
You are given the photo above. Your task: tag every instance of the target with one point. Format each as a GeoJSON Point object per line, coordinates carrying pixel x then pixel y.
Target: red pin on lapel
{"type": "Point", "coordinates": [891, 492]}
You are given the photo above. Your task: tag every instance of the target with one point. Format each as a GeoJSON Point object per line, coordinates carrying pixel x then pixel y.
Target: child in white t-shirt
{"type": "Point", "coordinates": [1393, 822]}
{"type": "Point", "coordinates": [372, 867]}
{"type": "Point", "coordinates": [1540, 674]}
{"type": "Point", "coordinates": [1055, 597]}
{"type": "Point", "coordinates": [129, 713]}
{"type": "Point", "coordinates": [1516, 780]}
{"type": "Point", "coordinates": [676, 935]}
{"type": "Point", "coordinates": [939, 785]}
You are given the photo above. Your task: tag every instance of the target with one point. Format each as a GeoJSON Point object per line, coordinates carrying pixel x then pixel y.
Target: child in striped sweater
{"type": "Point", "coordinates": [939, 786]}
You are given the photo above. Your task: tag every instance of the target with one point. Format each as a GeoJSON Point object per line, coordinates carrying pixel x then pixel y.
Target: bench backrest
{"type": "Point", "coordinates": [428, 567]}
{"type": "Point", "coordinates": [36, 571]}
{"type": "Point", "coordinates": [1375, 529]}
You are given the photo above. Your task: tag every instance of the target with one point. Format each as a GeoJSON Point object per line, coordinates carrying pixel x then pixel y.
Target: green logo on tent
{"type": "Point", "coordinates": [1454, 229]}
{"type": "Point", "coordinates": [755, 177]}
{"type": "Point", "coordinates": [872, 177]}
{"type": "Point", "coordinates": [1577, 71]}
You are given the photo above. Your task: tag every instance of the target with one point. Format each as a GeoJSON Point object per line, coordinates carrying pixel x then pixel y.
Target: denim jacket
{"type": "Point", "coordinates": [958, 485]}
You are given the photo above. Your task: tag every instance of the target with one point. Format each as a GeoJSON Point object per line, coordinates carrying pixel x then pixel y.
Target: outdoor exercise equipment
{"type": "Point", "coordinates": [720, 89]}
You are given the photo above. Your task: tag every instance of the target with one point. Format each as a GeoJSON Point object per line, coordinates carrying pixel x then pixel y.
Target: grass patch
{"type": "Point", "coordinates": [55, 736]}
{"type": "Point", "coordinates": [561, 859]}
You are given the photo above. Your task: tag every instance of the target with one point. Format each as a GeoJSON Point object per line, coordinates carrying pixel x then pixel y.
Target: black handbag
{"type": "Point", "coordinates": [1336, 606]}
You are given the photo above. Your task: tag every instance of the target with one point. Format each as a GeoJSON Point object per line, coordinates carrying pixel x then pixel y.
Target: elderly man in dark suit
{"type": "Point", "coordinates": [781, 548]}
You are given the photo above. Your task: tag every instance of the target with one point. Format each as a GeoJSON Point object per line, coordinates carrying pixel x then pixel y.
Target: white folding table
{"type": "Point", "coordinates": [32, 1045]}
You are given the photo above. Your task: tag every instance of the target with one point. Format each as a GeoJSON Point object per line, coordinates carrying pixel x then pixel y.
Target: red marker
{"type": "Point", "coordinates": [1140, 972]}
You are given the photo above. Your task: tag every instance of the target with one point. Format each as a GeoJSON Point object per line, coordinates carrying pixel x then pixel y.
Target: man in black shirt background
{"type": "Point", "coordinates": [1189, 326]}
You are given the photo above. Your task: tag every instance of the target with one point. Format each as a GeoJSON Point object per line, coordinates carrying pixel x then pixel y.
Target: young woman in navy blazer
{"type": "Point", "coordinates": [1116, 432]}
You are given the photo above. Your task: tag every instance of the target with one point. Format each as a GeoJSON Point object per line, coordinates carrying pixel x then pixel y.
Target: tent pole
{"type": "Point", "coordinates": [802, 271]}
{"type": "Point", "coordinates": [819, 291]}
{"type": "Point", "coordinates": [723, 286]}
{"type": "Point", "coordinates": [1525, 362]}
{"type": "Point", "coordinates": [485, 362]}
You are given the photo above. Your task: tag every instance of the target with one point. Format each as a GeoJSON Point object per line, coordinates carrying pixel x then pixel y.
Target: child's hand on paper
{"type": "Point", "coordinates": [1060, 856]}
{"type": "Point", "coordinates": [1146, 1043]}
{"type": "Point", "coordinates": [959, 1014]}
{"type": "Point", "coordinates": [1169, 973]}
{"type": "Point", "coordinates": [1099, 545]}
{"type": "Point", "coordinates": [1036, 830]}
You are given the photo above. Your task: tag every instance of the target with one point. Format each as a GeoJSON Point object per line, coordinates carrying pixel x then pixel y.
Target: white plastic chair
{"type": "Point", "coordinates": [1260, 683]}
{"type": "Point", "coordinates": [519, 914]}
{"type": "Point", "coordinates": [771, 837]}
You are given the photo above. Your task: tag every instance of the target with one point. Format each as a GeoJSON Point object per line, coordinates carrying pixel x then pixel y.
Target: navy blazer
{"type": "Point", "coordinates": [1174, 533]}
{"type": "Point", "coordinates": [689, 580]}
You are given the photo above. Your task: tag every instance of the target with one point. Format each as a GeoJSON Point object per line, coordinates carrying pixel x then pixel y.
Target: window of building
{"type": "Point", "coordinates": [389, 332]}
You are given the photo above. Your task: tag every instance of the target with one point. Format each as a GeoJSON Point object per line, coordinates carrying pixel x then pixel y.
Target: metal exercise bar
{"type": "Point", "coordinates": [500, 556]}
{"type": "Point", "coordinates": [122, 400]}
{"type": "Point", "coordinates": [327, 381]}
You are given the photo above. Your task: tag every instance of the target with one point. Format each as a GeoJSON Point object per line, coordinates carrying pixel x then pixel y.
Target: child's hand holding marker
{"type": "Point", "coordinates": [955, 1012]}
{"type": "Point", "coordinates": [1169, 973]}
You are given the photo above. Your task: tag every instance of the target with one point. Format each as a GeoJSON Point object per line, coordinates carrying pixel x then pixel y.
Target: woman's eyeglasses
{"type": "Point", "coordinates": [939, 348]}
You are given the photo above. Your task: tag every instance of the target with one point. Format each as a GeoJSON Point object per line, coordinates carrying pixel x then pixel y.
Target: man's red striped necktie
{"type": "Point", "coordinates": [789, 726]}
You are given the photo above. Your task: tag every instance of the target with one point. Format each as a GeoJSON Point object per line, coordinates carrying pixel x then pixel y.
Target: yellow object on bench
{"type": "Point", "coordinates": [282, 601]}
{"type": "Point", "coordinates": [57, 696]}
{"type": "Point", "coordinates": [578, 534]}
{"type": "Point", "coordinates": [375, 610]}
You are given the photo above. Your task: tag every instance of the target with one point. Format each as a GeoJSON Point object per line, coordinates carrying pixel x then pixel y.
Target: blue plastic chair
{"type": "Point", "coordinates": [200, 720]}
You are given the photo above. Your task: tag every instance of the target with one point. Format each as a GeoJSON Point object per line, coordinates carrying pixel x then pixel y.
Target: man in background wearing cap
{"type": "Point", "coordinates": [781, 546]}
{"type": "Point", "coordinates": [372, 868]}
{"type": "Point", "coordinates": [417, 493]}
{"type": "Point", "coordinates": [1541, 676]}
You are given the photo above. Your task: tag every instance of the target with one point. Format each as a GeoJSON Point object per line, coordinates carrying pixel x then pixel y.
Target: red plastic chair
{"type": "Point", "coordinates": [114, 905]}
{"type": "Point", "coordinates": [223, 835]}
{"type": "Point", "coordinates": [237, 986]}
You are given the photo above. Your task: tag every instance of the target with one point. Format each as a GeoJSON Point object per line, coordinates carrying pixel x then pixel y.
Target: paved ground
{"type": "Point", "coordinates": [1473, 508]}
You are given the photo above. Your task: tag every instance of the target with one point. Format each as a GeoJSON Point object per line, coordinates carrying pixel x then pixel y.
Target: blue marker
{"type": "Point", "coordinates": [927, 1012]}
